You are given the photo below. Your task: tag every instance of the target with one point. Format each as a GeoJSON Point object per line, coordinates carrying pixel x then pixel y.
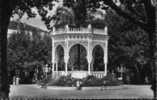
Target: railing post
{"type": "Point", "coordinates": [89, 56]}
{"type": "Point", "coordinates": [66, 55]}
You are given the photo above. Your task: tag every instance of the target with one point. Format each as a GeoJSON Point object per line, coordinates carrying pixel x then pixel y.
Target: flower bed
{"type": "Point", "coordinates": [63, 81]}
{"type": "Point", "coordinates": [109, 80]}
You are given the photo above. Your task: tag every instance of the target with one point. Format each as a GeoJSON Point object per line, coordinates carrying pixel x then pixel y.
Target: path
{"type": "Point", "coordinates": [124, 91]}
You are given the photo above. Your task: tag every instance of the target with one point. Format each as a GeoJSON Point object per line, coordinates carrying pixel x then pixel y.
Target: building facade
{"type": "Point", "coordinates": [19, 27]}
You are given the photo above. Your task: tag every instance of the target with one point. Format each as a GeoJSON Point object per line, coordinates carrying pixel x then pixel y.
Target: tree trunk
{"type": "Point", "coordinates": [137, 75]}
{"type": "Point", "coordinates": [5, 13]}
{"type": "Point", "coordinates": [151, 29]}
{"type": "Point", "coordinates": [153, 56]}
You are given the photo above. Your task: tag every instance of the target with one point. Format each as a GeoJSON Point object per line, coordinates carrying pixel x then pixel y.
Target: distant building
{"type": "Point", "coordinates": [19, 27]}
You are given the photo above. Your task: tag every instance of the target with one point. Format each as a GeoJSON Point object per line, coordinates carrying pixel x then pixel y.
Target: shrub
{"type": "Point", "coordinates": [63, 81]}
{"type": "Point", "coordinates": [108, 80]}
{"type": "Point", "coordinates": [111, 80]}
{"type": "Point", "coordinates": [45, 80]}
{"type": "Point", "coordinates": [92, 81]}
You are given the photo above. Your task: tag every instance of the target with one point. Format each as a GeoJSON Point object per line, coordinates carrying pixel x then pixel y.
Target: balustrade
{"type": "Point", "coordinates": [98, 74]}
{"type": "Point", "coordinates": [80, 30]}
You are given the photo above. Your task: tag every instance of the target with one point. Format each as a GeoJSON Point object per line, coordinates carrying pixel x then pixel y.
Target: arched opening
{"type": "Point", "coordinates": [59, 58]}
{"type": "Point", "coordinates": [98, 58]}
{"type": "Point", "coordinates": [77, 60]}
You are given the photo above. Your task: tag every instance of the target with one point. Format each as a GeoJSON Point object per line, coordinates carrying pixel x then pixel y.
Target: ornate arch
{"type": "Point", "coordinates": [98, 57]}
{"type": "Point", "coordinates": [62, 44]}
{"type": "Point", "coordinates": [58, 47]}
{"type": "Point", "coordinates": [82, 43]}
{"type": "Point", "coordinates": [101, 44]}
{"type": "Point", "coordinates": [59, 57]}
{"type": "Point", "coordinates": [83, 55]}
{"type": "Point", "coordinates": [98, 45]}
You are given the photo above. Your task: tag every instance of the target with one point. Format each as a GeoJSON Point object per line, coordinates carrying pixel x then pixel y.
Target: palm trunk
{"type": "Point", "coordinates": [5, 13]}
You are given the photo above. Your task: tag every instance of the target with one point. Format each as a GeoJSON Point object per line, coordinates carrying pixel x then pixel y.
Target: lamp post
{"type": "Point", "coordinates": [154, 83]}
{"type": "Point", "coordinates": [46, 70]}
{"type": "Point", "coordinates": [121, 70]}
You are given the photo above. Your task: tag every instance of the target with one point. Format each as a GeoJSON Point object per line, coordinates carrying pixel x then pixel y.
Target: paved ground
{"type": "Point", "coordinates": [124, 91]}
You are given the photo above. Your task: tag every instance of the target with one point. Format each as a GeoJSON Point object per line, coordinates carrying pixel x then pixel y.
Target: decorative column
{"type": "Point", "coordinates": [66, 55]}
{"type": "Point", "coordinates": [57, 64]}
{"type": "Point", "coordinates": [105, 56]}
{"type": "Point", "coordinates": [56, 58]}
{"type": "Point", "coordinates": [91, 66]}
{"type": "Point", "coordinates": [53, 57]}
{"type": "Point", "coordinates": [106, 50]}
{"type": "Point", "coordinates": [89, 56]}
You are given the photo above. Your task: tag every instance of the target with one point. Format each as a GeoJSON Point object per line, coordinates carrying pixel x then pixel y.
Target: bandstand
{"type": "Point", "coordinates": [88, 38]}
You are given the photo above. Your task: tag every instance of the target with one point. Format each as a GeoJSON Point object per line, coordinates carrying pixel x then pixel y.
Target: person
{"type": "Point", "coordinates": [78, 85]}
{"type": "Point", "coordinates": [17, 80]}
{"type": "Point", "coordinates": [103, 87]}
{"type": "Point", "coordinates": [14, 80]}
{"type": "Point", "coordinates": [153, 85]}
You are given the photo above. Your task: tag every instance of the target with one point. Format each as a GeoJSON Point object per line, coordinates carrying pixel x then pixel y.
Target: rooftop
{"type": "Point", "coordinates": [14, 25]}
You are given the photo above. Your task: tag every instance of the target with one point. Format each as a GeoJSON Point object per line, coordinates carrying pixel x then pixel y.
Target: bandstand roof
{"type": "Point", "coordinates": [82, 31]}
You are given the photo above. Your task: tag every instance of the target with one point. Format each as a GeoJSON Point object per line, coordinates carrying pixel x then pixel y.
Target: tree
{"type": "Point", "coordinates": [141, 13]}
{"type": "Point", "coordinates": [128, 45]}
{"type": "Point", "coordinates": [8, 8]}
{"type": "Point", "coordinates": [131, 51]}
{"type": "Point", "coordinates": [62, 17]}
{"type": "Point", "coordinates": [27, 52]}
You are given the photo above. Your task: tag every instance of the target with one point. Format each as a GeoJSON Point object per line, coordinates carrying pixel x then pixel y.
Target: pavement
{"type": "Point", "coordinates": [109, 92]}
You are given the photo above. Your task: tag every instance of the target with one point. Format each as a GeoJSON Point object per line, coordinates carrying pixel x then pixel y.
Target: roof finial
{"type": "Point", "coordinates": [67, 27]}
{"type": "Point", "coordinates": [53, 29]}
{"type": "Point", "coordinates": [89, 27]}
{"type": "Point", "coordinates": [106, 30]}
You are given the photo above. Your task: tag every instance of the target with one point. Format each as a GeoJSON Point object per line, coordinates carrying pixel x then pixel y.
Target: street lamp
{"type": "Point", "coordinates": [46, 69]}
{"type": "Point", "coordinates": [121, 70]}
